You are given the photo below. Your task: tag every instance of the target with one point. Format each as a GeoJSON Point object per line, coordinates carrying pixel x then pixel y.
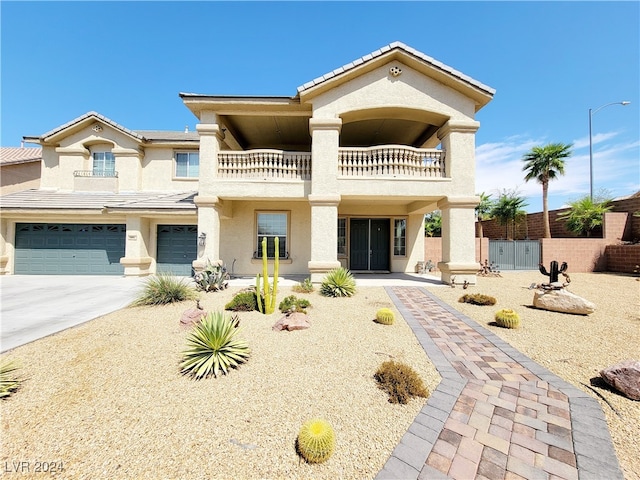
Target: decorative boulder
{"type": "Point", "coordinates": [562, 301]}
{"type": "Point", "coordinates": [624, 377]}
{"type": "Point", "coordinates": [292, 321]}
{"type": "Point", "coordinates": [192, 316]}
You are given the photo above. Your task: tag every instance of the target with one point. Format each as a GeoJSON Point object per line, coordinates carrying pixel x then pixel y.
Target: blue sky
{"type": "Point", "coordinates": [548, 61]}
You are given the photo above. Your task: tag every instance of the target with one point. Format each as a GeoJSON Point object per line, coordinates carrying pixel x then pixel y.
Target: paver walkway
{"type": "Point", "coordinates": [496, 414]}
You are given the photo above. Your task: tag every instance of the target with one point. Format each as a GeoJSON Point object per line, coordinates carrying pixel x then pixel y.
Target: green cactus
{"type": "Point", "coordinates": [507, 318]}
{"type": "Point", "coordinates": [267, 297]}
{"type": "Point", "coordinates": [385, 316]}
{"type": "Point", "coordinates": [316, 440]}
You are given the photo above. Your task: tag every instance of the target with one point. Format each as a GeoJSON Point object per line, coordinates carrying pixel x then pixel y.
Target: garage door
{"type": "Point", "coordinates": [69, 249]}
{"type": "Point", "coordinates": [177, 248]}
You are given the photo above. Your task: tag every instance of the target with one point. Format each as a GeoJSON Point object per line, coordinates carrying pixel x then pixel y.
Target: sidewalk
{"type": "Point", "coordinates": [496, 414]}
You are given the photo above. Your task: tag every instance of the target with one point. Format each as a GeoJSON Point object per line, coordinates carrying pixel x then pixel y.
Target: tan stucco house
{"type": "Point", "coordinates": [342, 173]}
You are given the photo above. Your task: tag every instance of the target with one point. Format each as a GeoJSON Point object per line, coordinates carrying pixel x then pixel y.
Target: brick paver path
{"type": "Point", "coordinates": [496, 414]}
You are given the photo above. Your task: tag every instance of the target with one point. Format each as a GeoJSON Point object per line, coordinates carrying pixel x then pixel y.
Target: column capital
{"type": "Point", "coordinates": [324, 200]}
{"type": "Point", "coordinates": [211, 130]}
{"type": "Point", "coordinates": [458, 202]}
{"type": "Point", "coordinates": [458, 126]}
{"type": "Point", "coordinates": [201, 201]}
{"type": "Point", "coordinates": [325, 124]}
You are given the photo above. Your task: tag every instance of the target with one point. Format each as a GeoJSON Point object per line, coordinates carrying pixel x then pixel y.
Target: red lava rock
{"type": "Point", "coordinates": [624, 377]}
{"type": "Point", "coordinates": [291, 322]}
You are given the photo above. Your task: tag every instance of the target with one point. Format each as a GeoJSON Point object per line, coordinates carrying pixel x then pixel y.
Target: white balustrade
{"type": "Point", "coordinates": [265, 163]}
{"type": "Point", "coordinates": [391, 161]}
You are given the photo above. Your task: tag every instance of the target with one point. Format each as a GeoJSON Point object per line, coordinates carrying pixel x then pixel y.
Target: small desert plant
{"type": "Point", "coordinates": [213, 347]}
{"type": "Point", "coordinates": [303, 287]}
{"type": "Point", "coordinates": [164, 288]}
{"type": "Point", "coordinates": [400, 381]}
{"type": "Point", "coordinates": [339, 282]}
{"type": "Point", "coordinates": [9, 382]}
{"type": "Point", "coordinates": [385, 316]}
{"type": "Point", "coordinates": [212, 278]}
{"type": "Point", "coordinates": [316, 440]}
{"type": "Point", "coordinates": [507, 318]}
{"type": "Point", "coordinates": [244, 301]}
{"type": "Point", "coordinates": [266, 298]}
{"type": "Point", "coordinates": [294, 304]}
{"type": "Point", "coordinates": [477, 299]}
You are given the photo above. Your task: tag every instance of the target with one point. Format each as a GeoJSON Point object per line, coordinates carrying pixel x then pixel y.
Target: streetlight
{"type": "Point", "coordinates": [591, 114]}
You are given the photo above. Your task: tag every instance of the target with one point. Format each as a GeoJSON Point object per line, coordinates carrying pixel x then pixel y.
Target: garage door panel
{"type": "Point", "coordinates": [177, 248]}
{"type": "Point", "coordinates": [69, 249]}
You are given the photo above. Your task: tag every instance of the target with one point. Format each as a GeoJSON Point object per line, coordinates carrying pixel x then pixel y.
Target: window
{"type": "Point", "coordinates": [272, 225]}
{"type": "Point", "coordinates": [104, 165]}
{"type": "Point", "coordinates": [187, 164]}
{"type": "Point", "coordinates": [400, 237]}
{"type": "Point", "coordinates": [342, 237]}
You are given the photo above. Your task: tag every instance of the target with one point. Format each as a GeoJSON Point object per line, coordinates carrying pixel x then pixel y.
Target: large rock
{"type": "Point", "coordinates": [562, 301]}
{"type": "Point", "coordinates": [624, 377]}
{"type": "Point", "coordinates": [292, 321]}
{"type": "Point", "coordinates": [192, 316]}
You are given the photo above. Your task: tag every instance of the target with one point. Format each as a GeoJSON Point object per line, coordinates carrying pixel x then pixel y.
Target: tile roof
{"type": "Point", "coordinates": [52, 199]}
{"type": "Point", "coordinates": [89, 115]}
{"type": "Point", "coordinates": [166, 135]}
{"type": "Point", "coordinates": [15, 155]}
{"type": "Point", "coordinates": [387, 48]}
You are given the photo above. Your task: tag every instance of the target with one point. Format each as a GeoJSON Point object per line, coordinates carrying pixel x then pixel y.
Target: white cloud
{"type": "Point", "coordinates": [595, 139]}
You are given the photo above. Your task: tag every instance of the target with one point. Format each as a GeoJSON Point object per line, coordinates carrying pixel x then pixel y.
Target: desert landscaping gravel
{"type": "Point", "coordinates": [106, 398]}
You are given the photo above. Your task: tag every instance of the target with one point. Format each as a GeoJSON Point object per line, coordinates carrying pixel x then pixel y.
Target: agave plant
{"type": "Point", "coordinates": [9, 383]}
{"type": "Point", "coordinates": [339, 282]}
{"type": "Point", "coordinates": [213, 347]}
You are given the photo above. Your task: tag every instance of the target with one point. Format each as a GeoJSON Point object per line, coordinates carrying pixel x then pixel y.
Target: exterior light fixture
{"type": "Point", "coordinates": [591, 114]}
{"type": "Point", "coordinates": [202, 239]}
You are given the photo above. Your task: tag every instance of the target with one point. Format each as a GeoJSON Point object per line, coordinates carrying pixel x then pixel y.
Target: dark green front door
{"type": "Point", "coordinates": [177, 248]}
{"type": "Point", "coordinates": [69, 249]}
{"type": "Point", "coordinates": [369, 244]}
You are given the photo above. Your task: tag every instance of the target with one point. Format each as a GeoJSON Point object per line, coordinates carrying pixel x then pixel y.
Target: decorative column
{"type": "Point", "coordinates": [324, 197]}
{"type": "Point", "coordinates": [7, 231]}
{"type": "Point", "coordinates": [136, 260]}
{"type": "Point", "coordinates": [458, 240]}
{"type": "Point", "coordinates": [208, 203]}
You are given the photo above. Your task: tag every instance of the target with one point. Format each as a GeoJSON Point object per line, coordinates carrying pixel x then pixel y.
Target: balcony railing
{"type": "Point", "coordinates": [272, 164]}
{"type": "Point", "coordinates": [91, 173]}
{"type": "Point", "coordinates": [391, 161]}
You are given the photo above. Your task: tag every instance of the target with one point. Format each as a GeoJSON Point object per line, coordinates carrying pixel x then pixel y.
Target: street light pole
{"type": "Point", "coordinates": [591, 114]}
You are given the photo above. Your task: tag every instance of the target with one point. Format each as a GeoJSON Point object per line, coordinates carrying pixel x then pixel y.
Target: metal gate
{"type": "Point", "coordinates": [514, 254]}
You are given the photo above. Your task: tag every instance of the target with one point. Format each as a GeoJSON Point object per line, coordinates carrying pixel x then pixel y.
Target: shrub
{"type": "Point", "coordinates": [9, 382]}
{"type": "Point", "coordinates": [212, 278]}
{"type": "Point", "coordinates": [164, 288]}
{"type": "Point", "coordinates": [400, 381]}
{"type": "Point", "coordinates": [385, 316]}
{"type": "Point", "coordinates": [507, 318]}
{"type": "Point", "coordinates": [339, 282]}
{"type": "Point", "coordinates": [303, 287]}
{"type": "Point", "coordinates": [316, 440]}
{"type": "Point", "coordinates": [294, 304]}
{"type": "Point", "coordinates": [477, 299]}
{"type": "Point", "coordinates": [243, 302]}
{"type": "Point", "coordinates": [213, 347]}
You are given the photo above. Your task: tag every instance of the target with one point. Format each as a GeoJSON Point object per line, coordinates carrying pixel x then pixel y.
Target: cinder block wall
{"type": "Point", "coordinates": [622, 258]}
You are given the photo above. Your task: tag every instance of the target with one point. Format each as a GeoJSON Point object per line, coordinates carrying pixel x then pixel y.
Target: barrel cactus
{"type": "Point", "coordinates": [385, 316]}
{"type": "Point", "coordinates": [507, 318]}
{"type": "Point", "coordinates": [316, 440]}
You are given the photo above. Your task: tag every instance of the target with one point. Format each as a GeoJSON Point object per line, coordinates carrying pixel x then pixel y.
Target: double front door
{"type": "Point", "coordinates": [369, 244]}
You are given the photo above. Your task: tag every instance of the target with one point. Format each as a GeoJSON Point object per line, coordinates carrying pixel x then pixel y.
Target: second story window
{"type": "Point", "coordinates": [104, 165]}
{"type": "Point", "coordinates": [187, 164]}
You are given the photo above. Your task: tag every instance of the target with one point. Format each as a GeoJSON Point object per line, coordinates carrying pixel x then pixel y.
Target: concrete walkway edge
{"type": "Point", "coordinates": [595, 456]}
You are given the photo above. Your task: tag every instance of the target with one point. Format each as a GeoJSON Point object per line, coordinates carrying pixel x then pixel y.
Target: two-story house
{"type": "Point", "coordinates": [342, 173]}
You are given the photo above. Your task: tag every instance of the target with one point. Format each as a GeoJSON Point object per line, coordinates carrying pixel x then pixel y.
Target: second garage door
{"type": "Point", "coordinates": [177, 248]}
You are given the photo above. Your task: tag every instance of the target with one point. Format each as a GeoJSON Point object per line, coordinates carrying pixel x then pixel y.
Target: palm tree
{"type": "Point", "coordinates": [483, 210]}
{"type": "Point", "coordinates": [586, 214]}
{"type": "Point", "coordinates": [508, 209]}
{"type": "Point", "coordinates": [544, 164]}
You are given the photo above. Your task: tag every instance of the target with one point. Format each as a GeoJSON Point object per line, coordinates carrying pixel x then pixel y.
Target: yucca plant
{"type": "Point", "coordinates": [9, 382]}
{"type": "Point", "coordinates": [339, 282]}
{"type": "Point", "coordinates": [316, 440]}
{"type": "Point", "coordinates": [213, 346]}
{"type": "Point", "coordinates": [164, 288]}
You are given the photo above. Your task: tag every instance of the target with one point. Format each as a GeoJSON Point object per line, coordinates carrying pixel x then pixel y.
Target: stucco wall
{"type": "Point", "coordinates": [21, 176]}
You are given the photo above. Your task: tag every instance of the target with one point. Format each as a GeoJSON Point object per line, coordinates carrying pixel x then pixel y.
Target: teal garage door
{"type": "Point", "coordinates": [69, 249]}
{"type": "Point", "coordinates": [177, 248]}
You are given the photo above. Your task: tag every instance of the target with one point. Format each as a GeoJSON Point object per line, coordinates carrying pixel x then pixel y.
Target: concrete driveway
{"type": "Point", "coordinates": [34, 306]}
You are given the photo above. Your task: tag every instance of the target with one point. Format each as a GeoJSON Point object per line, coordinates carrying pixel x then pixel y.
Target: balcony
{"type": "Point", "coordinates": [90, 181]}
{"type": "Point", "coordinates": [391, 161]}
